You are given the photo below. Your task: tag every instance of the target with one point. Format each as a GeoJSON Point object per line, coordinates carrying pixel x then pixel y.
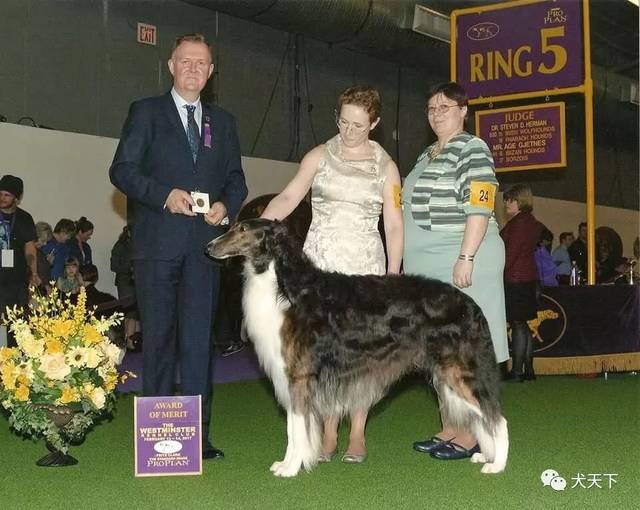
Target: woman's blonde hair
{"type": "Point", "coordinates": [520, 193]}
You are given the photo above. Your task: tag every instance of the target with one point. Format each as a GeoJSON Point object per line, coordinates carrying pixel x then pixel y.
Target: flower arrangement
{"type": "Point", "coordinates": [63, 361]}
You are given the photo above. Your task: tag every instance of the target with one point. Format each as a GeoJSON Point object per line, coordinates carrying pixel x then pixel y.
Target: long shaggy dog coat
{"type": "Point", "coordinates": [333, 343]}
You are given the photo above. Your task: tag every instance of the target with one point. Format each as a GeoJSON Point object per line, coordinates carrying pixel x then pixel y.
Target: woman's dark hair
{"type": "Point", "coordinates": [451, 90]}
{"type": "Point", "coordinates": [65, 226]}
{"type": "Point", "coordinates": [546, 235]}
{"type": "Point", "coordinates": [84, 225]}
{"type": "Point", "coordinates": [89, 273]}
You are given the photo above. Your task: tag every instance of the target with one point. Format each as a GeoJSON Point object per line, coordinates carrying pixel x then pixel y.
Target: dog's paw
{"type": "Point", "coordinates": [276, 465]}
{"type": "Point", "coordinates": [288, 469]}
{"type": "Point", "coordinates": [492, 468]}
{"type": "Point", "coordinates": [478, 458]}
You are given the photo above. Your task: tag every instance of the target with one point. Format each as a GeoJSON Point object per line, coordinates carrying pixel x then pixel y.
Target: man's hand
{"type": "Point", "coordinates": [179, 202]}
{"type": "Point", "coordinates": [216, 214]}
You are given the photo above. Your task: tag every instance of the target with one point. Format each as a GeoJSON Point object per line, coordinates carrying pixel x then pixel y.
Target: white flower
{"type": "Point", "coordinates": [98, 397]}
{"type": "Point", "coordinates": [93, 357]}
{"type": "Point", "coordinates": [25, 368]}
{"type": "Point", "coordinates": [54, 366]}
{"type": "Point", "coordinates": [77, 357]}
{"type": "Point", "coordinates": [7, 404]}
{"type": "Point", "coordinates": [112, 352]}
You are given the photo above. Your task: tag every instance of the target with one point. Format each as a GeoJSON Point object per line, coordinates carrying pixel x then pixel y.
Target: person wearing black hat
{"type": "Point", "coordinates": [18, 261]}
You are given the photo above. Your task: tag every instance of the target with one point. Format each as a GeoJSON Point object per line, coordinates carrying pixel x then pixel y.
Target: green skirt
{"type": "Point", "coordinates": [433, 254]}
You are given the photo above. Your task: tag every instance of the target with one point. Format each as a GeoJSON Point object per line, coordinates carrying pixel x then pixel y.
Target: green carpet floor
{"type": "Point", "coordinates": [568, 424]}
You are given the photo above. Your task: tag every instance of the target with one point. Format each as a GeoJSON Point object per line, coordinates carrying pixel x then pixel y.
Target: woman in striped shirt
{"type": "Point", "coordinates": [451, 233]}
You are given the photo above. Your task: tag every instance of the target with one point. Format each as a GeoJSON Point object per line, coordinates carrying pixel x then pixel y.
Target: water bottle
{"type": "Point", "coordinates": [574, 276]}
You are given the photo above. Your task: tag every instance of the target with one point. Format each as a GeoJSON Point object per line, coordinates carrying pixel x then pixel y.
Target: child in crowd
{"type": "Point", "coordinates": [71, 280]}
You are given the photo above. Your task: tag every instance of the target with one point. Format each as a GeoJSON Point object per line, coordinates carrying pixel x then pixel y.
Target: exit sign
{"type": "Point", "coordinates": [147, 34]}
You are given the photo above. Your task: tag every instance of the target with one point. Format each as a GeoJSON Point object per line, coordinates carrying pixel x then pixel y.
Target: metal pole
{"type": "Point", "coordinates": [589, 150]}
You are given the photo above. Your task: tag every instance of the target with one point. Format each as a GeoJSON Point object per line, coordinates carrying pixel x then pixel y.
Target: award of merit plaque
{"type": "Point", "coordinates": [167, 436]}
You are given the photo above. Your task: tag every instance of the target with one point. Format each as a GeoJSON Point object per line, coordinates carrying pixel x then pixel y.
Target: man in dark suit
{"type": "Point", "coordinates": [171, 146]}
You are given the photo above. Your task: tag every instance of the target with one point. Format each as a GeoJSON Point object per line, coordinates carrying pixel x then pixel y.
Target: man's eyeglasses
{"type": "Point", "coordinates": [442, 109]}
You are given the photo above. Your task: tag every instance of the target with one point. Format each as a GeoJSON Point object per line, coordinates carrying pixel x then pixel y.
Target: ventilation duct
{"type": "Point", "coordinates": [380, 28]}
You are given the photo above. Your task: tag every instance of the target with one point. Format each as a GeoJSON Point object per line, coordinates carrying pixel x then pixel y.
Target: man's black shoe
{"type": "Point", "coordinates": [232, 349]}
{"type": "Point", "coordinates": [209, 452]}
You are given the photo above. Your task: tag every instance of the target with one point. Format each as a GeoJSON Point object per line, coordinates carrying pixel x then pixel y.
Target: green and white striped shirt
{"type": "Point", "coordinates": [442, 199]}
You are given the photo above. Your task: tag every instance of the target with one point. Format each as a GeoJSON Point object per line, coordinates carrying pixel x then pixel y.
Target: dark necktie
{"type": "Point", "coordinates": [193, 135]}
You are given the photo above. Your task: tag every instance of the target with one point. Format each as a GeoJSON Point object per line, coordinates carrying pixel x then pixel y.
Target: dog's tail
{"type": "Point", "coordinates": [468, 385]}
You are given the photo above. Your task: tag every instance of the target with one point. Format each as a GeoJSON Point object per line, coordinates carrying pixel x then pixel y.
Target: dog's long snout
{"type": "Point", "coordinates": [216, 248]}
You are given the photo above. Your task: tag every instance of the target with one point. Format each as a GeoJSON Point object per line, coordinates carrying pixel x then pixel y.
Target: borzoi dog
{"type": "Point", "coordinates": [332, 343]}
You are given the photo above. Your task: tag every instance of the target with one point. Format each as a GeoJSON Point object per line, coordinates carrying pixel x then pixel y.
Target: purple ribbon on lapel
{"type": "Point", "coordinates": [207, 132]}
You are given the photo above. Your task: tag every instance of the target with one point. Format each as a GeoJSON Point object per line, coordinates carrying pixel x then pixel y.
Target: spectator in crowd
{"type": "Point", "coordinates": [521, 235]}
{"type": "Point", "coordinates": [89, 274]}
{"type": "Point", "coordinates": [44, 234]}
{"type": "Point", "coordinates": [105, 304]}
{"type": "Point", "coordinates": [562, 259]}
{"type": "Point", "coordinates": [609, 260]}
{"type": "Point", "coordinates": [578, 249]}
{"type": "Point", "coordinates": [122, 266]}
{"type": "Point", "coordinates": [18, 257]}
{"type": "Point", "coordinates": [547, 271]}
{"type": "Point", "coordinates": [78, 245]}
{"type": "Point", "coordinates": [71, 279]}
{"type": "Point", "coordinates": [57, 250]}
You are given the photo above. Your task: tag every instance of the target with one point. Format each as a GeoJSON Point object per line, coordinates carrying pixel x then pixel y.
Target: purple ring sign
{"type": "Point", "coordinates": [167, 436]}
{"type": "Point", "coordinates": [518, 47]}
{"type": "Point", "coordinates": [525, 137]}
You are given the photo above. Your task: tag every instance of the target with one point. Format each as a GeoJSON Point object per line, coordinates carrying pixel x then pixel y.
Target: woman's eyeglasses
{"type": "Point", "coordinates": [355, 126]}
{"type": "Point", "coordinates": [442, 109]}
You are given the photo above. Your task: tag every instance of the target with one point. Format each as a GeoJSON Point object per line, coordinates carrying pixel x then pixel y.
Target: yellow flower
{"type": "Point", "coordinates": [80, 309]}
{"type": "Point", "coordinates": [6, 353]}
{"type": "Point", "coordinates": [54, 346]}
{"type": "Point", "coordinates": [22, 393]}
{"type": "Point", "coordinates": [23, 380]}
{"type": "Point", "coordinates": [62, 328]}
{"type": "Point", "coordinates": [110, 382]}
{"type": "Point", "coordinates": [8, 374]}
{"type": "Point", "coordinates": [91, 335]}
{"type": "Point", "coordinates": [69, 394]}
{"type": "Point", "coordinates": [32, 347]}
{"type": "Point", "coordinates": [54, 367]}
{"type": "Point", "coordinates": [23, 335]}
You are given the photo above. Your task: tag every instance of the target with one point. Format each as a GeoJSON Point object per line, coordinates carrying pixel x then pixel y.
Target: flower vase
{"type": "Point", "coordinates": [60, 416]}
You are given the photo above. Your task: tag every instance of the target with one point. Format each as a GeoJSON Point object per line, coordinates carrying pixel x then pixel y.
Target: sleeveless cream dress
{"type": "Point", "coordinates": [346, 202]}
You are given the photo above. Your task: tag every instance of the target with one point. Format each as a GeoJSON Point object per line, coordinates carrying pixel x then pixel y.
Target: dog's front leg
{"type": "Point", "coordinates": [289, 452]}
{"type": "Point", "coordinates": [298, 449]}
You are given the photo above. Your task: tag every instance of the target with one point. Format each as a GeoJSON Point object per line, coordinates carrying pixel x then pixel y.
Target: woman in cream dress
{"type": "Point", "coordinates": [352, 181]}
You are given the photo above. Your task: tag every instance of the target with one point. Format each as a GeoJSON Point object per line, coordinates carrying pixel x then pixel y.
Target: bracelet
{"type": "Point", "coordinates": [466, 257]}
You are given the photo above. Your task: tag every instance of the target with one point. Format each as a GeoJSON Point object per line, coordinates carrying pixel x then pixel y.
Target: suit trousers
{"type": "Point", "coordinates": [177, 300]}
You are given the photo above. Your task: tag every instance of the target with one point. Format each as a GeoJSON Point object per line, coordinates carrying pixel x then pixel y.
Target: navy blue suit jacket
{"type": "Point", "coordinates": [153, 157]}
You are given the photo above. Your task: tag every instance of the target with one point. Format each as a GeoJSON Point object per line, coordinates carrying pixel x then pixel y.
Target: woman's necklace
{"type": "Point", "coordinates": [437, 148]}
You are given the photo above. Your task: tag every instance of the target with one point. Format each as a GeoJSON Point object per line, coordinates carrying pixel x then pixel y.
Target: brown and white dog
{"type": "Point", "coordinates": [332, 343]}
